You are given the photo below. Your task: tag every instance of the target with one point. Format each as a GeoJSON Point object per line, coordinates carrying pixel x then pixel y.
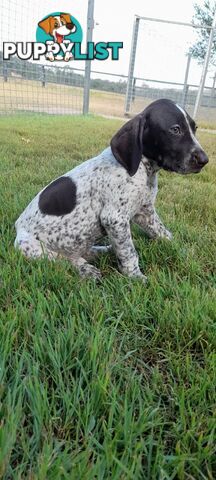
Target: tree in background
{"type": "Point", "coordinates": [203, 16]}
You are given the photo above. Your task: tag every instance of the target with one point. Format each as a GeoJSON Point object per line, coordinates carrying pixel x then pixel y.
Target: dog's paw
{"type": "Point", "coordinates": [50, 56]}
{"type": "Point", "coordinates": [68, 56]}
{"type": "Point", "coordinates": [142, 277]}
{"type": "Point", "coordinates": [165, 234]}
{"type": "Point", "coordinates": [139, 275]}
{"type": "Point", "coordinates": [89, 271]}
{"type": "Point", "coordinates": [168, 235]}
{"type": "Point", "coordinates": [98, 249]}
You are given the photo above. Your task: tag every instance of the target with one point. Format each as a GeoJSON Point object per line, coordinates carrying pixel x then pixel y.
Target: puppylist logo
{"type": "Point", "coordinates": [59, 38]}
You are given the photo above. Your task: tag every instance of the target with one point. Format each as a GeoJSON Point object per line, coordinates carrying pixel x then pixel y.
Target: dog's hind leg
{"type": "Point", "coordinates": [31, 247]}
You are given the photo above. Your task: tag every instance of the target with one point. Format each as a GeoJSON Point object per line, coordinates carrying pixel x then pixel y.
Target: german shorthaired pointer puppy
{"type": "Point", "coordinates": [104, 194]}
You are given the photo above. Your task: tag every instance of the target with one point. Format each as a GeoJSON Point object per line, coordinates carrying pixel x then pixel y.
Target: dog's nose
{"type": "Point", "coordinates": [200, 158]}
{"type": "Point", "coordinates": [69, 26]}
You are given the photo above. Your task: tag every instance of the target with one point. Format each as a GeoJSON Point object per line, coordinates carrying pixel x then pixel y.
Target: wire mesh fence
{"type": "Point", "coordinates": [25, 87]}
{"type": "Point", "coordinates": [34, 86]}
{"type": "Point", "coordinates": [161, 66]}
{"type": "Point", "coordinates": [47, 89]}
{"type": "Point", "coordinates": [146, 90]}
{"type": "Point", "coordinates": [107, 93]}
{"type": "Point", "coordinates": [162, 69]}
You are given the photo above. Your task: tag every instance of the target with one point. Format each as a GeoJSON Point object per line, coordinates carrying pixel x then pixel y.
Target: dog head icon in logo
{"type": "Point", "coordinates": [59, 31]}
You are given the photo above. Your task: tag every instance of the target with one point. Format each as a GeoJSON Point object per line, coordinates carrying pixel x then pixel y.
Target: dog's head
{"type": "Point", "coordinates": [165, 134]}
{"type": "Point", "coordinates": [58, 26]}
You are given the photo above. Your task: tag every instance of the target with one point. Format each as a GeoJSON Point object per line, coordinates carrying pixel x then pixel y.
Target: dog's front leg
{"type": "Point", "coordinates": [118, 230]}
{"type": "Point", "coordinates": [150, 222]}
{"type": "Point", "coordinates": [67, 47]}
{"type": "Point", "coordinates": [50, 55]}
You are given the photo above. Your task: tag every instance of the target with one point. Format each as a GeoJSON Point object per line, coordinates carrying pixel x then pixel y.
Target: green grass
{"type": "Point", "coordinates": [114, 380]}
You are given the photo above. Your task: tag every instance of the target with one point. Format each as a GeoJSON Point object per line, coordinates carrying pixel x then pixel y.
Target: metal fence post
{"type": "Point", "coordinates": [90, 26]}
{"type": "Point", "coordinates": [5, 71]}
{"type": "Point", "coordinates": [129, 90]}
{"type": "Point", "coordinates": [43, 80]}
{"type": "Point", "coordinates": [213, 87]}
{"type": "Point", "coordinates": [185, 88]}
{"type": "Point", "coordinates": [133, 90]}
{"type": "Point", "coordinates": [205, 67]}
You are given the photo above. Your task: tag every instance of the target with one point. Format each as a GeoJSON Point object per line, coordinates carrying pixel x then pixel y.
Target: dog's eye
{"type": "Point", "coordinates": [176, 130]}
{"type": "Point", "coordinates": [56, 25]}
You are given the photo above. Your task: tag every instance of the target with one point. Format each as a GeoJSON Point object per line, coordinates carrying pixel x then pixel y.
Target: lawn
{"type": "Point", "coordinates": [114, 380]}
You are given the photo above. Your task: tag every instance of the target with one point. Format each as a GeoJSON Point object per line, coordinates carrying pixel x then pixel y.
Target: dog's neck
{"type": "Point", "coordinates": [150, 165]}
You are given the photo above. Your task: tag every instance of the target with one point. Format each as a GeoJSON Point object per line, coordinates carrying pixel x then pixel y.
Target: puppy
{"type": "Point", "coordinates": [58, 27]}
{"type": "Point", "coordinates": [103, 195]}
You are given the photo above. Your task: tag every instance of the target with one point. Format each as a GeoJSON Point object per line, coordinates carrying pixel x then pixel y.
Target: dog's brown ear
{"type": "Point", "coordinates": [126, 145]}
{"type": "Point", "coordinates": [45, 25]}
{"type": "Point", "coordinates": [66, 17]}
